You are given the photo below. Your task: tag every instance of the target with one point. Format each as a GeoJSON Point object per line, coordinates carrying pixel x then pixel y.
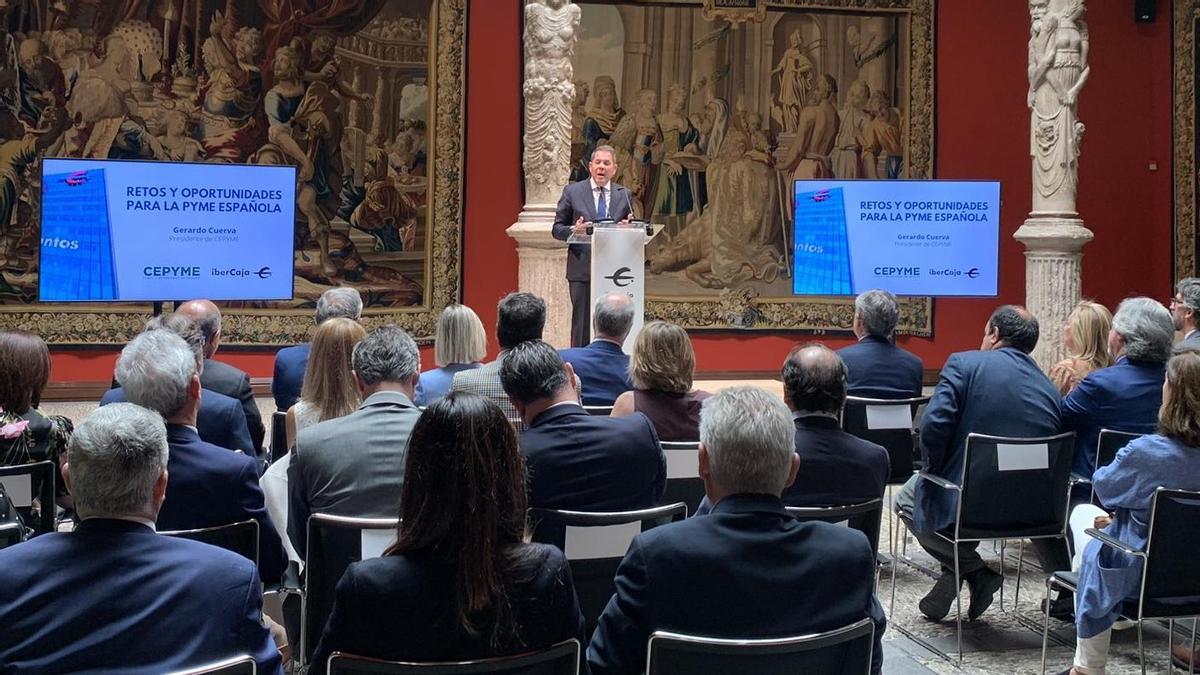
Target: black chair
{"type": "Point", "coordinates": [683, 474]}
{"type": "Point", "coordinates": [240, 537]}
{"type": "Point", "coordinates": [1009, 488]}
{"type": "Point", "coordinates": [11, 533]}
{"type": "Point", "coordinates": [595, 543]}
{"type": "Point", "coordinates": [1170, 587]}
{"type": "Point", "coordinates": [884, 422]}
{"type": "Point", "coordinates": [1108, 444]}
{"type": "Point", "coordinates": [23, 483]}
{"type": "Point", "coordinates": [866, 517]}
{"type": "Point", "coordinates": [844, 651]}
{"type": "Point", "coordinates": [560, 659]}
{"type": "Point", "coordinates": [334, 542]}
{"type": "Point", "coordinates": [599, 410]}
{"type": "Point", "coordinates": [238, 665]}
{"type": "Point", "coordinates": [279, 445]}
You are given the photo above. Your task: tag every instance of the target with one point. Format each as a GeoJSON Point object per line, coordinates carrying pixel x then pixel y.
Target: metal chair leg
{"type": "Point", "coordinates": [1192, 653]}
{"type": "Point", "coordinates": [1003, 543]}
{"type": "Point", "coordinates": [1020, 564]}
{"type": "Point", "coordinates": [892, 607]}
{"type": "Point", "coordinates": [958, 602]}
{"type": "Point", "coordinates": [1141, 647]}
{"type": "Point", "coordinates": [1170, 641]}
{"type": "Point", "coordinates": [1046, 625]}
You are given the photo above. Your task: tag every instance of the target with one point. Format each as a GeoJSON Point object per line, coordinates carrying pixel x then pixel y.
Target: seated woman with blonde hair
{"type": "Point", "coordinates": [662, 367]}
{"type": "Point", "coordinates": [1086, 338]}
{"type": "Point", "coordinates": [460, 344]}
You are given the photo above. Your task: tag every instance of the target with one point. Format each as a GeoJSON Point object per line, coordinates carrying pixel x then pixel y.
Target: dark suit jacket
{"type": "Point", "coordinates": [747, 570]}
{"type": "Point", "coordinates": [1124, 397]}
{"type": "Point", "coordinates": [836, 468]}
{"type": "Point", "coordinates": [220, 419]}
{"type": "Point", "coordinates": [403, 607]}
{"type": "Point", "coordinates": [114, 597]}
{"type": "Point", "coordinates": [209, 486]}
{"type": "Point", "coordinates": [288, 379]}
{"type": "Point", "coordinates": [582, 462]}
{"type": "Point", "coordinates": [225, 379]}
{"type": "Point", "coordinates": [876, 368]}
{"type": "Point", "coordinates": [603, 368]}
{"type": "Point", "coordinates": [1000, 392]}
{"type": "Point", "coordinates": [578, 200]}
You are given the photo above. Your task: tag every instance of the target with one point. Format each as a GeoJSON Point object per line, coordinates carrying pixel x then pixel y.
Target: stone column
{"type": "Point", "coordinates": [1054, 234]}
{"type": "Point", "coordinates": [551, 30]}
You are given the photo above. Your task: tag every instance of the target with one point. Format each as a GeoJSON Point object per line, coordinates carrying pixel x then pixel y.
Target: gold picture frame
{"type": "Point", "coordinates": [1186, 17]}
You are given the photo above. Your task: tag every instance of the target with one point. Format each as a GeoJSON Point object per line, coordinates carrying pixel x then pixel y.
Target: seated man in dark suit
{"type": "Point", "coordinates": [748, 569]}
{"type": "Point", "coordinates": [210, 485]}
{"type": "Point", "coordinates": [291, 362]}
{"type": "Point", "coordinates": [354, 465]}
{"type": "Point", "coordinates": [222, 377]}
{"type": "Point", "coordinates": [113, 596]}
{"type": "Point", "coordinates": [999, 390]}
{"type": "Point", "coordinates": [602, 366]}
{"type": "Point", "coordinates": [1125, 396]}
{"type": "Point", "coordinates": [1185, 313]}
{"type": "Point", "coordinates": [221, 420]}
{"type": "Point", "coordinates": [876, 367]}
{"type": "Point", "coordinates": [578, 461]}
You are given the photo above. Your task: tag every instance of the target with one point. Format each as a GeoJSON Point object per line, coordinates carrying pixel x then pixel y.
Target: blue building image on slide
{"type": "Point", "coordinates": [77, 244]}
{"type": "Point", "coordinates": [821, 247]}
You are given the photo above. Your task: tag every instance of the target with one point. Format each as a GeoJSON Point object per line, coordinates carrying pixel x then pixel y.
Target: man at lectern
{"type": "Point", "coordinates": [584, 202]}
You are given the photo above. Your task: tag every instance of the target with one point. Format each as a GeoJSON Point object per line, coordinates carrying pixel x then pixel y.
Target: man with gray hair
{"type": "Point", "coordinates": [219, 376]}
{"type": "Point", "coordinates": [354, 465]}
{"type": "Point", "coordinates": [290, 362]}
{"type": "Point", "coordinates": [149, 603]}
{"type": "Point", "coordinates": [603, 366]}
{"type": "Point", "coordinates": [876, 367]}
{"type": "Point", "coordinates": [210, 485]}
{"type": "Point", "coordinates": [748, 569]}
{"type": "Point", "coordinates": [1185, 310]}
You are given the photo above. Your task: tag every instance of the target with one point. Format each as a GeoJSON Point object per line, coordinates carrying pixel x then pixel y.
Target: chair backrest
{"type": "Point", "coordinates": [11, 533]}
{"type": "Point", "coordinates": [1109, 443]}
{"type": "Point", "coordinates": [844, 651]}
{"type": "Point", "coordinates": [1171, 577]}
{"type": "Point", "coordinates": [334, 542]}
{"type": "Point", "coordinates": [279, 446]}
{"type": "Point", "coordinates": [559, 659]}
{"type": "Point", "coordinates": [24, 483]}
{"type": "Point", "coordinates": [599, 410]}
{"type": "Point", "coordinates": [683, 474]}
{"type": "Point", "coordinates": [865, 517]}
{"type": "Point", "coordinates": [1015, 487]}
{"type": "Point", "coordinates": [595, 543]}
{"type": "Point", "coordinates": [889, 423]}
{"type": "Point", "coordinates": [238, 665]}
{"type": "Point", "coordinates": [240, 537]}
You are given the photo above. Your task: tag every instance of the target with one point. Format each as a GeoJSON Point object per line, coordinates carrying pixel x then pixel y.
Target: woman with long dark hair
{"type": "Point", "coordinates": [460, 582]}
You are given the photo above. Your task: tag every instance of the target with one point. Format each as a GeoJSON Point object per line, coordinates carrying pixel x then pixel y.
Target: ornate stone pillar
{"type": "Point", "coordinates": [1054, 234]}
{"type": "Point", "coordinates": [551, 29]}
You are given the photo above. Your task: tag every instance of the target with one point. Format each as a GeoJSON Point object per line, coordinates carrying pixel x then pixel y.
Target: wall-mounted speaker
{"type": "Point", "coordinates": [1144, 11]}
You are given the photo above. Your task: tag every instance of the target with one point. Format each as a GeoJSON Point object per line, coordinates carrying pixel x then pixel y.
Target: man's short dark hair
{"type": "Point", "coordinates": [814, 378]}
{"type": "Point", "coordinates": [1015, 326]}
{"type": "Point", "coordinates": [520, 318]}
{"type": "Point", "coordinates": [532, 370]}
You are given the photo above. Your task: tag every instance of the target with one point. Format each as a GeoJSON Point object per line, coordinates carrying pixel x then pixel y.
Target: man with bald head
{"type": "Point", "coordinates": [222, 377]}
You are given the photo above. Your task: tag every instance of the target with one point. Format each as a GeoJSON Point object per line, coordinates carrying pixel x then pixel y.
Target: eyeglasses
{"type": "Point", "coordinates": [1175, 302]}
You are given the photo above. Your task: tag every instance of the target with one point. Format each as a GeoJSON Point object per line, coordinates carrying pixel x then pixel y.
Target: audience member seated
{"type": "Point", "coordinates": [578, 461]}
{"type": "Point", "coordinates": [998, 390]}
{"type": "Point", "coordinates": [291, 362]}
{"type": "Point", "coordinates": [876, 367]}
{"type": "Point", "coordinates": [520, 317]}
{"type": "Point", "coordinates": [1126, 395]}
{"type": "Point", "coordinates": [602, 366]}
{"type": "Point", "coordinates": [113, 596]}
{"type": "Point", "coordinates": [661, 369]}
{"type": "Point", "coordinates": [219, 376]}
{"type": "Point", "coordinates": [210, 485]}
{"type": "Point", "coordinates": [221, 420]}
{"type": "Point", "coordinates": [460, 582]}
{"type": "Point", "coordinates": [26, 435]}
{"type": "Point", "coordinates": [354, 465]}
{"type": "Point", "coordinates": [460, 344]}
{"type": "Point", "coordinates": [1169, 458]}
{"type": "Point", "coordinates": [329, 392]}
{"type": "Point", "coordinates": [748, 569]}
{"type": "Point", "coordinates": [1185, 308]}
{"type": "Point", "coordinates": [1086, 339]}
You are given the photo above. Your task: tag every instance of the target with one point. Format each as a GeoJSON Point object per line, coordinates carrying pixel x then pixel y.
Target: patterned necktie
{"type": "Point", "coordinates": [601, 207]}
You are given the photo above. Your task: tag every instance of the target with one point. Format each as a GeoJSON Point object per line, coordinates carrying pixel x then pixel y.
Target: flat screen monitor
{"type": "Point", "coordinates": [910, 237]}
{"type": "Point", "coordinates": [116, 230]}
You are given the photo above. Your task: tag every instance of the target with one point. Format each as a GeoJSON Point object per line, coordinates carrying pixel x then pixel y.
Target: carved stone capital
{"type": "Point", "coordinates": [1053, 235]}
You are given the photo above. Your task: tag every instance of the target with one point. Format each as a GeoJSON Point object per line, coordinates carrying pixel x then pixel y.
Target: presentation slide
{"type": "Point", "coordinates": [911, 237]}
{"type": "Point", "coordinates": [123, 230]}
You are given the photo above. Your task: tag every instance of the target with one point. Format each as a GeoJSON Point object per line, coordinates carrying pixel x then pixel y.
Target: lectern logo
{"type": "Point", "coordinates": [621, 277]}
